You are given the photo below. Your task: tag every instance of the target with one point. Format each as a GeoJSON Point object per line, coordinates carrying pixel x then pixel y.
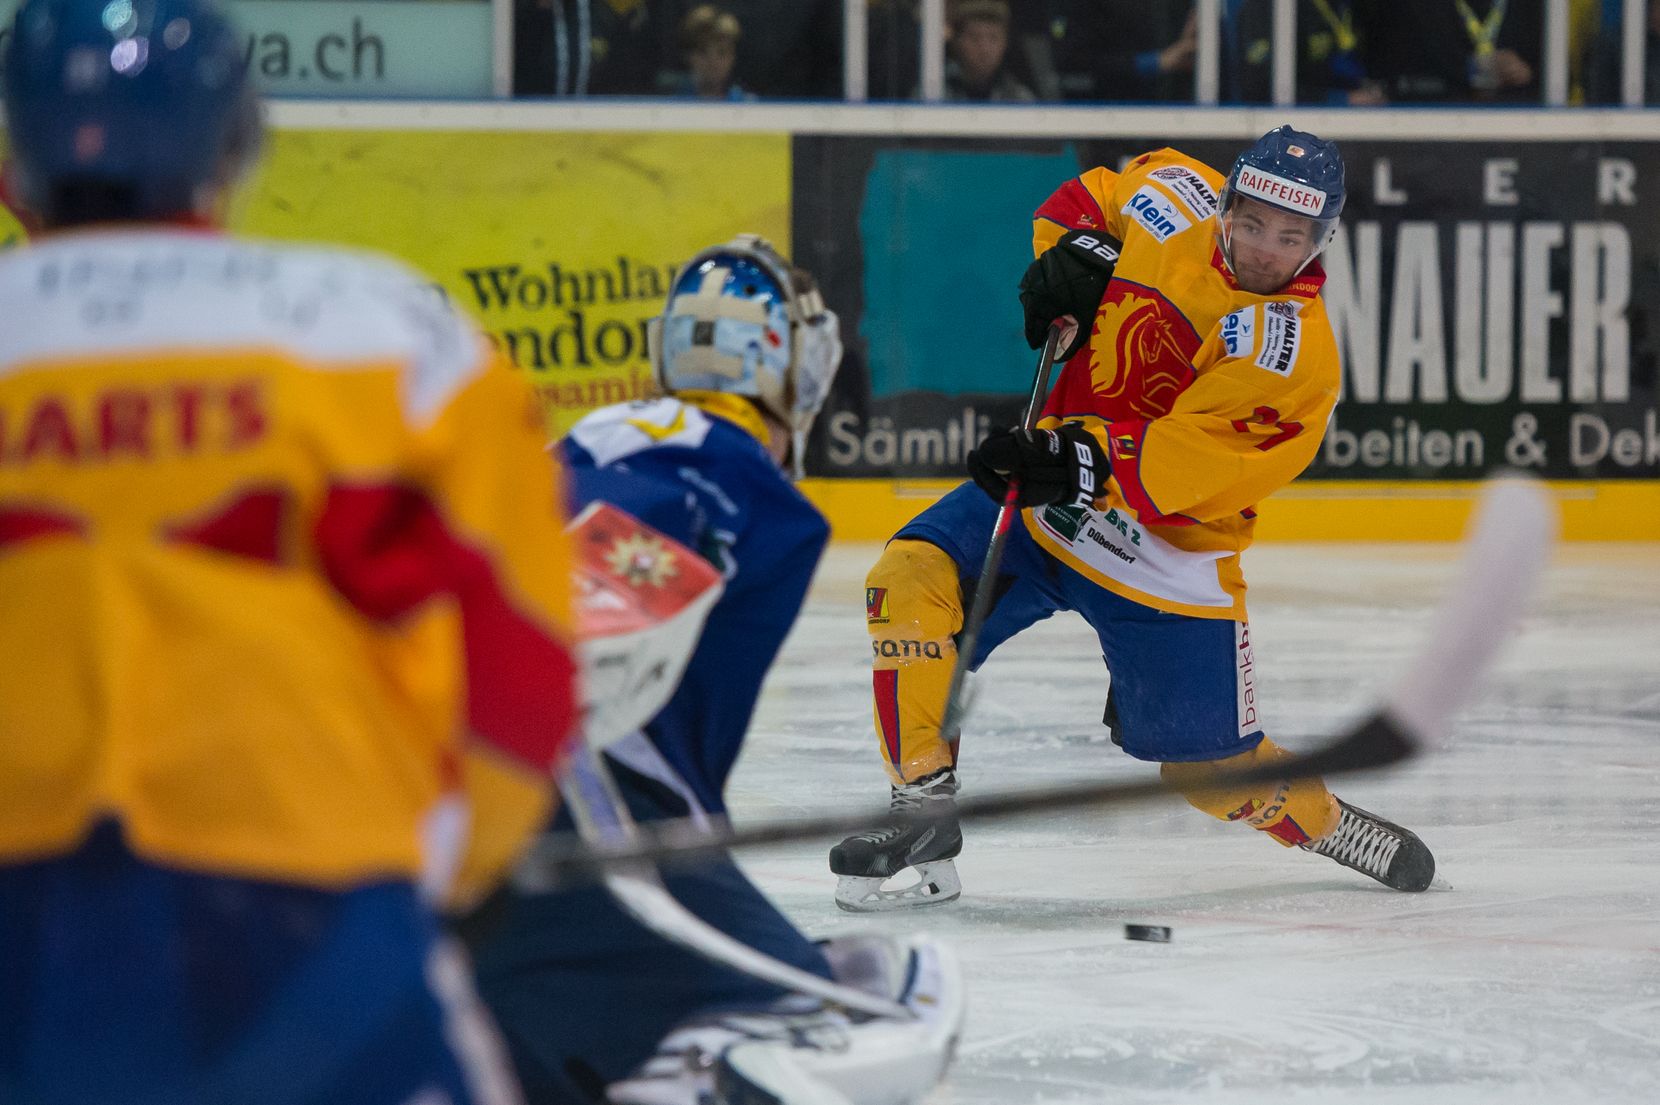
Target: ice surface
{"type": "Point", "coordinates": [1289, 979]}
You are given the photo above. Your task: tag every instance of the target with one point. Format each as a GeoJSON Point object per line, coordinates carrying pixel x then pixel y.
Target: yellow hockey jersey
{"type": "Point", "coordinates": [282, 575]}
{"type": "Point", "coordinates": [1206, 397]}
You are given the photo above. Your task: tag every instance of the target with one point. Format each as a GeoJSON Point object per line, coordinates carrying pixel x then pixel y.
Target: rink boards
{"type": "Point", "coordinates": [1497, 300]}
{"type": "Point", "coordinates": [1308, 510]}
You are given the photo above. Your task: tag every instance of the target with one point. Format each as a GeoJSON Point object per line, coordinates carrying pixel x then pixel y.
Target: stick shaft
{"type": "Point", "coordinates": [969, 639]}
{"type": "Point", "coordinates": [1378, 741]}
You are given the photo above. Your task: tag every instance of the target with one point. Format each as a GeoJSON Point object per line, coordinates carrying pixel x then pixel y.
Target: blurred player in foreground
{"type": "Point", "coordinates": [1200, 383]}
{"type": "Point", "coordinates": [283, 623]}
{"type": "Point", "coordinates": [596, 1005]}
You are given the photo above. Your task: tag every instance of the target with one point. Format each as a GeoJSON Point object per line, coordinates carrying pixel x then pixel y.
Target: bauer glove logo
{"type": "Point", "coordinates": [1106, 251]}
{"type": "Point", "coordinates": [1087, 491]}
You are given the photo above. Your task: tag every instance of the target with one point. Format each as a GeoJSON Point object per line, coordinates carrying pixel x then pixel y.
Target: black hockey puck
{"type": "Point", "coordinates": [1153, 934]}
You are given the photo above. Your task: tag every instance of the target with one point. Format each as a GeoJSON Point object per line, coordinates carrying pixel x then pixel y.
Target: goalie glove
{"type": "Point", "coordinates": [1068, 278]}
{"type": "Point", "coordinates": [1064, 465]}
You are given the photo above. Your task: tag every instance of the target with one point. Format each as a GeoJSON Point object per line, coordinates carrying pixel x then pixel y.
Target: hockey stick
{"type": "Point", "coordinates": [1504, 556]}
{"type": "Point", "coordinates": [980, 608]}
{"type": "Point", "coordinates": [603, 819]}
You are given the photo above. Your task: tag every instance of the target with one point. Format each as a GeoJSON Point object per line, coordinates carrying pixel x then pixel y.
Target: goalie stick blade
{"type": "Point", "coordinates": [1503, 559]}
{"type": "Point", "coordinates": [601, 815]}
{"type": "Point", "coordinates": [1505, 553]}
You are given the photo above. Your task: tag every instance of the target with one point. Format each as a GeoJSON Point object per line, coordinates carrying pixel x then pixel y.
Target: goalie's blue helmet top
{"type": "Point", "coordinates": [150, 96]}
{"type": "Point", "coordinates": [746, 278]}
{"type": "Point", "coordinates": [1292, 170]}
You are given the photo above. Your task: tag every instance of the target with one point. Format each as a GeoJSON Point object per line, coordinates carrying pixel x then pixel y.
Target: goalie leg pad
{"type": "Point", "coordinates": [1292, 812]}
{"type": "Point", "coordinates": [913, 610]}
{"type": "Point", "coordinates": [821, 1056]}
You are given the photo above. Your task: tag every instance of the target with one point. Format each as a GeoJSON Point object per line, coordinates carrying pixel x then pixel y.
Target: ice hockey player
{"type": "Point", "coordinates": [283, 626]}
{"type": "Point", "coordinates": [1200, 382]}
{"type": "Point", "coordinates": [596, 1006]}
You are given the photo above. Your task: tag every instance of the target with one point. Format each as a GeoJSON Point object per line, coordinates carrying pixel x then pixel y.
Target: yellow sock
{"type": "Point", "coordinates": [913, 609]}
{"type": "Point", "coordinates": [1292, 812]}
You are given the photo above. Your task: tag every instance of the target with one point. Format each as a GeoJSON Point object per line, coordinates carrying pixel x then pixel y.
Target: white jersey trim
{"type": "Point", "coordinates": [612, 433]}
{"type": "Point", "coordinates": [118, 294]}
{"type": "Point", "coordinates": [1118, 547]}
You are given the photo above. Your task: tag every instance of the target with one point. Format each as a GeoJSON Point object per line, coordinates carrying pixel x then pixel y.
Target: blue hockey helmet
{"type": "Point", "coordinates": [1292, 171]}
{"type": "Point", "coordinates": [740, 319]}
{"type": "Point", "coordinates": [145, 104]}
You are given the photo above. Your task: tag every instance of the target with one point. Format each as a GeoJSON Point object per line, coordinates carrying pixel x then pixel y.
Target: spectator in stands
{"type": "Point", "coordinates": [1604, 81]}
{"type": "Point", "coordinates": [1584, 21]}
{"type": "Point", "coordinates": [976, 49]}
{"type": "Point", "coordinates": [585, 47]}
{"type": "Point", "coordinates": [792, 48]}
{"type": "Point", "coordinates": [709, 43]}
{"type": "Point", "coordinates": [1330, 59]}
{"type": "Point", "coordinates": [1109, 50]}
{"type": "Point", "coordinates": [1450, 51]}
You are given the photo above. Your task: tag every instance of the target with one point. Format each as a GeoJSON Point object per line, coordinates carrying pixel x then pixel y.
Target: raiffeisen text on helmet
{"type": "Point", "coordinates": [1280, 191]}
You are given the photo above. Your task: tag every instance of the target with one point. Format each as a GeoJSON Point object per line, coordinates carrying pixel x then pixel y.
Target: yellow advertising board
{"type": "Point", "coordinates": [561, 245]}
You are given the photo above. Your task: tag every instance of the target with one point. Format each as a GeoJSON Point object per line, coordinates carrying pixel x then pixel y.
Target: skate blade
{"type": "Point", "coordinates": [936, 883]}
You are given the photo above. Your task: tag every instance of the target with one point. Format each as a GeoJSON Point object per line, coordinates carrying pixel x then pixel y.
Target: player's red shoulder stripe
{"type": "Point", "coordinates": [387, 550]}
{"type": "Point", "coordinates": [27, 523]}
{"type": "Point", "coordinates": [251, 525]}
{"type": "Point", "coordinates": [886, 686]}
{"type": "Point", "coordinates": [1127, 439]}
{"type": "Point", "coordinates": [1073, 207]}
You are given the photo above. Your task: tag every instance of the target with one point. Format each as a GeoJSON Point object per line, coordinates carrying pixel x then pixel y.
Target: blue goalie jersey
{"type": "Point", "coordinates": [707, 481]}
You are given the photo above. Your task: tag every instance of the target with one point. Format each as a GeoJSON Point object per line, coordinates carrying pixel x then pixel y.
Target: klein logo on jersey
{"type": "Point", "coordinates": [1280, 338]}
{"type": "Point", "coordinates": [1280, 191]}
{"type": "Point", "coordinates": [1157, 214]}
{"type": "Point", "coordinates": [1239, 332]}
{"type": "Point", "coordinates": [876, 605]}
{"type": "Point", "coordinates": [1190, 188]}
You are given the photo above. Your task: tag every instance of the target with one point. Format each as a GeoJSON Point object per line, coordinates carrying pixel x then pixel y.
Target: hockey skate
{"type": "Point", "coordinates": [1385, 851]}
{"type": "Point", "coordinates": [867, 860]}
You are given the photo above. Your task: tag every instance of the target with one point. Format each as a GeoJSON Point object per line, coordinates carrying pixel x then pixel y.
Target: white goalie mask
{"type": "Point", "coordinates": [740, 320]}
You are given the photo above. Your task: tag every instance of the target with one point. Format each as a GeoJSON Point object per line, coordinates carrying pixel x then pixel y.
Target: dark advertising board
{"type": "Point", "coordinates": [1496, 304]}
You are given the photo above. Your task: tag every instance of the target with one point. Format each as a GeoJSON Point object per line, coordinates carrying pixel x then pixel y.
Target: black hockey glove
{"type": "Point", "coordinates": [1052, 466]}
{"type": "Point", "coordinates": [1068, 279]}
